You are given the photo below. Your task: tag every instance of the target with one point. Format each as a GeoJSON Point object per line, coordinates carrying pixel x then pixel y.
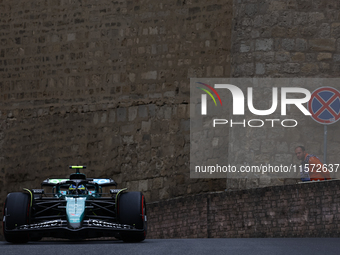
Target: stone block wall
{"type": "Point", "coordinates": [106, 84]}
{"type": "Point", "coordinates": [286, 38]}
{"type": "Point", "coordinates": [300, 210]}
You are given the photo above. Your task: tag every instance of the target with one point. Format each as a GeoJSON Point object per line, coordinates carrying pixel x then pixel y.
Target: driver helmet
{"type": "Point", "coordinates": [72, 189]}
{"type": "Point", "coordinates": [81, 189]}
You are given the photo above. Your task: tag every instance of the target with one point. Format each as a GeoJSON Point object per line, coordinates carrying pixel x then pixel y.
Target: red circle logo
{"type": "Point", "coordinates": [324, 105]}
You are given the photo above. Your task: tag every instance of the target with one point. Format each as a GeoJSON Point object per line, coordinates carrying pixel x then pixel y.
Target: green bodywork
{"type": "Point", "coordinates": [75, 209]}
{"type": "Point", "coordinates": [75, 201]}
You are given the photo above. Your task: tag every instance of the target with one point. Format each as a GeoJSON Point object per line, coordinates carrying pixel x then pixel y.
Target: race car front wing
{"type": "Point", "coordinates": [86, 223]}
{"type": "Point", "coordinates": [90, 228]}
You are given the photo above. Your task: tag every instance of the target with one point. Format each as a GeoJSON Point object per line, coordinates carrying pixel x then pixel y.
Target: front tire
{"type": "Point", "coordinates": [17, 212]}
{"type": "Point", "coordinates": [132, 211]}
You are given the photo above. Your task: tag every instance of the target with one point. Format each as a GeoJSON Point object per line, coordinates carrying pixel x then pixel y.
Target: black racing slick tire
{"type": "Point", "coordinates": [132, 211]}
{"type": "Point", "coordinates": [17, 211]}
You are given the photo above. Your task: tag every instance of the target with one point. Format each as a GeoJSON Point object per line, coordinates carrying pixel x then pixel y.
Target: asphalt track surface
{"type": "Point", "coordinates": [239, 246]}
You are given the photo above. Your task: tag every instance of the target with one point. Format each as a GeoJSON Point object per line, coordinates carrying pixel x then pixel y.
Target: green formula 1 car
{"type": "Point", "coordinates": [75, 208]}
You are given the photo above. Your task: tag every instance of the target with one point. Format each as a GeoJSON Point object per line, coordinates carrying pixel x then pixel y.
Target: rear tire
{"type": "Point", "coordinates": [132, 211]}
{"type": "Point", "coordinates": [17, 212]}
